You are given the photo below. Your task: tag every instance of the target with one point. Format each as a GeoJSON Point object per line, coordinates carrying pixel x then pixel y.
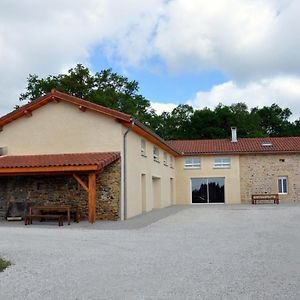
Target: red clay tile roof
{"type": "Point", "coordinates": [123, 118]}
{"type": "Point", "coordinates": [59, 160]}
{"type": "Point", "coordinates": [55, 95]}
{"type": "Point", "coordinates": [243, 145]}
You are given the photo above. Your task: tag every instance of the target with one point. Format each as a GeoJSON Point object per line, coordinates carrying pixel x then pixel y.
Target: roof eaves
{"type": "Point", "coordinates": [148, 130]}
{"type": "Point", "coordinates": [241, 152]}
{"type": "Point", "coordinates": [91, 105]}
{"type": "Point", "coordinates": [35, 104]}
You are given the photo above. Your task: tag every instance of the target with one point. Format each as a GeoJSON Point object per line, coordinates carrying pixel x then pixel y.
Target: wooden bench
{"type": "Point", "coordinates": [265, 197]}
{"type": "Point", "coordinates": [66, 210]}
{"type": "Point", "coordinates": [28, 218]}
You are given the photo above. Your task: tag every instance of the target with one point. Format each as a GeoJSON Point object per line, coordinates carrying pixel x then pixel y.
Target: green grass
{"type": "Point", "coordinates": [4, 264]}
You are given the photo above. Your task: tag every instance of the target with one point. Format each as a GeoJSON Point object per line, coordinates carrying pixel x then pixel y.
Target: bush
{"type": "Point", "coordinates": [4, 264]}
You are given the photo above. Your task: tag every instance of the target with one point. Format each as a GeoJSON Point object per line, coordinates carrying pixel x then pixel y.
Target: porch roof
{"type": "Point", "coordinates": [59, 163]}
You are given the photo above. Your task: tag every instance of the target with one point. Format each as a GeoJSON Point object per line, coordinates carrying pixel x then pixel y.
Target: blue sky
{"type": "Point", "coordinates": [197, 52]}
{"type": "Point", "coordinates": [158, 84]}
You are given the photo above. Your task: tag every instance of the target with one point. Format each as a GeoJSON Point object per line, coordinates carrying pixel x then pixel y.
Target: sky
{"type": "Point", "coordinates": [198, 52]}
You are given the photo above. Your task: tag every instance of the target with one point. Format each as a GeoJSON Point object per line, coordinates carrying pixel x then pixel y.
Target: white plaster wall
{"type": "Point", "coordinates": [231, 175]}
{"type": "Point", "coordinates": [61, 128]}
{"type": "Point", "coordinates": [138, 165]}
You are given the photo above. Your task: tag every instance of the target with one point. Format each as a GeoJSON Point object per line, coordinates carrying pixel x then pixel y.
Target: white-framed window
{"type": "Point", "coordinates": [143, 147]}
{"type": "Point", "coordinates": [282, 185]}
{"type": "Point", "coordinates": [165, 158]}
{"type": "Point", "coordinates": [155, 153]}
{"type": "Point", "coordinates": [192, 163]}
{"type": "Point", "coordinates": [222, 162]}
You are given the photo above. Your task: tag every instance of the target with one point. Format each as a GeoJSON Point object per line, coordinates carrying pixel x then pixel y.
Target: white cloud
{"type": "Point", "coordinates": [161, 107]}
{"type": "Point", "coordinates": [43, 38]}
{"type": "Point", "coordinates": [248, 40]}
{"type": "Point", "coordinates": [244, 39]}
{"type": "Point", "coordinates": [285, 91]}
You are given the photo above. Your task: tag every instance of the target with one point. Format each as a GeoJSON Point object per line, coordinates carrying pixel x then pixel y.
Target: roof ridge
{"type": "Point", "coordinates": [100, 159]}
{"type": "Point", "coordinates": [49, 97]}
{"type": "Point", "coordinates": [241, 138]}
{"type": "Point", "coordinates": [60, 154]}
{"type": "Point", "coordinates": [87, 102]}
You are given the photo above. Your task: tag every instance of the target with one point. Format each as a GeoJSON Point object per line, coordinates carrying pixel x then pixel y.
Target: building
{"type": "Point", "coordinates": [231, 170]}
{"type": "Point", "coordinates": [62, 149]}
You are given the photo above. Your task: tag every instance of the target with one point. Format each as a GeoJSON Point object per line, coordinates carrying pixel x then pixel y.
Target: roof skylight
{"type": "Point", "coordinates": [267, 144]}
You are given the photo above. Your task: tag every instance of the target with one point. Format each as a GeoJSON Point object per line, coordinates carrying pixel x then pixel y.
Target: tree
{"type": "Point", "coordinates": [204, 125]}
{"type": "Point", "coordinates": [105, 88]}
{"type": "Point", "coordinates": [118, 92]}
{"type": "Point", "coordinates": [274, 120]}
{"type": "Point", "coordinates": [176, 125]}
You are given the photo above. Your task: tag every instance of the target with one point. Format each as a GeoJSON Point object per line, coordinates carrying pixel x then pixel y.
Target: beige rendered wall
{"type": "Point", "coordinates": [259, 174]}
{"type": "Point", "coordinates": [61, 128]}
{"type": "Point", "coordinates": [156, 175]}
{"type": "Point", "coordinates": [231, 175]}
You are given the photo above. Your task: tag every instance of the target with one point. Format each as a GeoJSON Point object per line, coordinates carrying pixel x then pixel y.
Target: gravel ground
{"type": "Point", "coordinates": [194, 252]}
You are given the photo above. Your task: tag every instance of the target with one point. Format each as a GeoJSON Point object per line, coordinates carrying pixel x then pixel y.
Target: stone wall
{"type": "Point", "coordinates": [259, 174]}
{"type": "Point", "coordinates": [65, 190]}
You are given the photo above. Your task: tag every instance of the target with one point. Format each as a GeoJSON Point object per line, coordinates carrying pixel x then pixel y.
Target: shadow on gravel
{"type": "Point", "coordinates": [137, 222]}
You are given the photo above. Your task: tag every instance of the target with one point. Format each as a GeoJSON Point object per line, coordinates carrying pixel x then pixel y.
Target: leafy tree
{"type": "Point", "coordinates": [176, 125]}
{"type": "Point", "coordinates": [274, 120]}
{"type": "Point", "coordinates": [204, 125]}
{"type": "Point", "coordinates": [118, 92]}
{"type": "Point", "coordinates": [105, 88]}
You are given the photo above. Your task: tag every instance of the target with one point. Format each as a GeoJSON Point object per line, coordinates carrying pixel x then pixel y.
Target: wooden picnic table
{"type": "Point", "coordinates": [265, 197]}
{"type": "Point", "coordinates": [57, 208]}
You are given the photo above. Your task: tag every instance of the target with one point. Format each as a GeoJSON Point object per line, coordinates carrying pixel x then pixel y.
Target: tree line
{"type": "Point", "coordinates": [183, 122]}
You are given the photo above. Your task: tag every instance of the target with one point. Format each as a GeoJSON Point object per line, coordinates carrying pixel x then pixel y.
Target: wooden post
{"type": "Point", "coordinates": [92, 197]}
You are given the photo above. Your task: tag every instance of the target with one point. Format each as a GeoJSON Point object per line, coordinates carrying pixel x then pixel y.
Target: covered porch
{"type": "Point", "coordinates": [90, 180]}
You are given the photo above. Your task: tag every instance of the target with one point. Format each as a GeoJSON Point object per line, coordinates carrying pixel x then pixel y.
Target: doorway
{"type": "Point", "coordinates": [172, 200]}
{"type": "Point", "coordinates": [208, 190]}
{"type": "Point", "coordinates": [156, 192]}
{"type": "Point", "coordinates": [144, 195]}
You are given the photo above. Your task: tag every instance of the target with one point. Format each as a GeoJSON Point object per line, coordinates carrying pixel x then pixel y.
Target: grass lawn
{"type": "Point", "coordinates": [4, 264]}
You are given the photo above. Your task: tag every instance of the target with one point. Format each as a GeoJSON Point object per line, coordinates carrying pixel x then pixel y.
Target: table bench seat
{"type": "Point", "coordinates": [265, 197]}
{"type": "Point", "coordinates": [60, 218]}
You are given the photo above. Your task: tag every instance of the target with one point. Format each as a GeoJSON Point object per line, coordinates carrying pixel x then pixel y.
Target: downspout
{"type": "Point", "coordinates": [125, 167]}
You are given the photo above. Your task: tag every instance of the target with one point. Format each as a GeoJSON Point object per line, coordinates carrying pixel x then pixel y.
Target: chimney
{"type": "Point", "coordinates": [233, 135]}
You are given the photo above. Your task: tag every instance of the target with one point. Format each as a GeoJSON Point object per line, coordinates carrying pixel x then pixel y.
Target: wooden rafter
{"type": "Point", "coordinates": [82, 108]}
{"type": "Point", "coordinates": [151, 138]}
{"type": "Point", "coordinates": [27, 113]}
{"type": "Point", "coordinates": [48, 170]}
{"type": "Point", "coordinates": [91, 189]}
{"type": "Point", "coordinates": [78, 179]}
{"type": "Point", "coordinates": [56, 96]}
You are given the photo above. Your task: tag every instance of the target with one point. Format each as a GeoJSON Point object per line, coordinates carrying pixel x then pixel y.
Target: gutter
{"type": "Point", "coordinates": [278, 152]}
{"type": "Point", "coordinates": [125, 167]}
{"type": "Point", "coordinates": [148, 130]}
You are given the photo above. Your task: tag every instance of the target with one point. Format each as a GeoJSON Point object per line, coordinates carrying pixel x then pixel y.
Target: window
{"type": "Point", "coordinates": [192, 163]}
{"type": "Point", "coordinates": [282, 185]}
{"type": "Point", "coordinates": [155, 154]}
{"type": "Point", "coordinates": [171, 161]}
{"type": "Point", "coordinates": [165, 159]}
{"type": "Point", "coordinates": [267, 144]}
{"type": "Point", "coordinates": [222, 162]}
{"type": "Point", "coordinates": [143, 147]}
{"type": "Point", "coordinates": [3, 150]}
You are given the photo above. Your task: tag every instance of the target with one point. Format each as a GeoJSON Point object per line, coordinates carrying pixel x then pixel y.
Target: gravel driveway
{"type": "Point", "coordinates": [195, 252]}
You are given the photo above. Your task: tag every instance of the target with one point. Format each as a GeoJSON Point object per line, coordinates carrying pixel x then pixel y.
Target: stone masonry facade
{"type": "Point", "coordinates": [259, 174]}
{"type": "Point", "coordinates": [47, 190]}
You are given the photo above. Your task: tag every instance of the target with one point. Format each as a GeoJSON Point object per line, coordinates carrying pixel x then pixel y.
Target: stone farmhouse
{"type": "Point", "coordinates": [60, 149]}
